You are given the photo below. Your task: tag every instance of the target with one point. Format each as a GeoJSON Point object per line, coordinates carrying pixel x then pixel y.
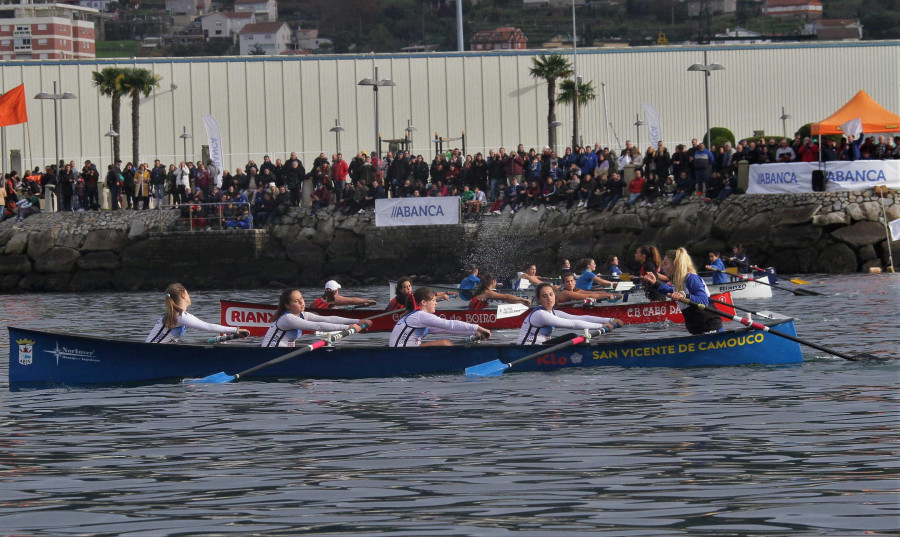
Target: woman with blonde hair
{"type": "Point", "coordinates": [685, 283]}
{"type": "Point", "coordinates": [171, 326]}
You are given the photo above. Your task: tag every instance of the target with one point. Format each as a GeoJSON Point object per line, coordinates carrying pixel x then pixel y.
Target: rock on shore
{"type": "Point", "coordinates": [135, 250]}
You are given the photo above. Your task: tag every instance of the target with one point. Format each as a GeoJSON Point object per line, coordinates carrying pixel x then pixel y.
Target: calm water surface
{"type": "Point", "coordinates": [805, 450]}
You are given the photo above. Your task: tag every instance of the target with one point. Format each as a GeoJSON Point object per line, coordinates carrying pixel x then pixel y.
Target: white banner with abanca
{"type": "Point", "coordinates": [796, 177]}
{"type": "Point", "coordinates": [417, 211]}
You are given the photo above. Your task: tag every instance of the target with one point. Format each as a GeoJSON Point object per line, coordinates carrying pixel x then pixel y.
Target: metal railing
{"type": "Point", "coordinates": [202, 215]}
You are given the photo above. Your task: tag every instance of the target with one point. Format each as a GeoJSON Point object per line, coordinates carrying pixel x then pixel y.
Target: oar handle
{"type": "Point", "coordinates": [222, 338]}
{"type": "Point", "coordinates": [758, 326]}
{"type": "Point", "coordinates": [730, 305]}
{"type": "Point", "coordinates": [563, 345]}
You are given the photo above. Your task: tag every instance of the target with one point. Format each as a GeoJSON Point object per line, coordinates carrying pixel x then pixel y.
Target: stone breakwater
{"type": "Point", "coordinates": [145, 250]}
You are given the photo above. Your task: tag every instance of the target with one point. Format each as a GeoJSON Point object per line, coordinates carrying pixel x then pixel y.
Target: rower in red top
{"type": "Point", "coordinates": [485, 292]}
{"type": "Point", "coordinates": [332, 297]}
{"type": "Point", "coordinates": [404, 293]}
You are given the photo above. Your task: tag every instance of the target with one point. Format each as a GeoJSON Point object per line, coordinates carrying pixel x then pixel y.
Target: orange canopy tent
{"type": "Point", "coordinates": [874, 117]}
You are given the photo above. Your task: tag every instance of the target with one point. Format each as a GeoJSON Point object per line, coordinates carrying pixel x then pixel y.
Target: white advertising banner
{"type": "Point", "coordinates": [417, 211]}
{"type": "Point", "coordinates": [216, 149]}
{"type": "Point", "coordinates": [653, 123]}
{"type": "Point", "coordinates": [796, 177]}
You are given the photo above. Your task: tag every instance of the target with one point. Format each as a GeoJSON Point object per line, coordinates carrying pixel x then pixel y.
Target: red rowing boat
{"type": "Point", "coordinates": [257, 317]}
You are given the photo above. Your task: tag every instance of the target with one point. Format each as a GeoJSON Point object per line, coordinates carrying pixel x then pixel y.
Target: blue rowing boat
{"type": "Point", "coordinates": [44, 358]}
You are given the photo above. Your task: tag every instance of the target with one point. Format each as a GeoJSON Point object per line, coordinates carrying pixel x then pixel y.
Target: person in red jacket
{"type": "Point", "coordinates": [339, 172]}
{"type": "Point", "coordinates": [635, 188]}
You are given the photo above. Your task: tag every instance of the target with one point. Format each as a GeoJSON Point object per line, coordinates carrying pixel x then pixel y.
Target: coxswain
{"type": "Point", "coordinates": [539, 324]}
{"type": "Point", "coordinates": [684, 283]}
{"type": "Point", "coordinates": [569, 292]}
{"type": "Point", "coordinates": [588, 278]}
{"type": "Point", "coordinates": [291, 319]}
{"type": "Point", "coordinates": [485, 292]}
{"type": "Point", "coordinates": [332, 297]}
{"type": "Point", "coordinates": [649, 261]}
{"type": "Point", "coordinates": [171, 326]}
{"type": "Point", "coordinates": [415, 325]}
{"type": "Point", "coordinates": [404, 293]}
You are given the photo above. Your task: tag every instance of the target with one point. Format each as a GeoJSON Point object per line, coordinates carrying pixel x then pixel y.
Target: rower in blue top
{"type": "Point", "coordinates": [716, 265]}
{"type": "Point", "coordinates": [469, 283]}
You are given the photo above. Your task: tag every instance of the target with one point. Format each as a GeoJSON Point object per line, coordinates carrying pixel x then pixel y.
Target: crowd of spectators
{"type": "Point", "coordinates": [583, 178]}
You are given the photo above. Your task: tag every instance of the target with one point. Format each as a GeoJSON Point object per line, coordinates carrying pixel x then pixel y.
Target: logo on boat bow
{"type": "Point", "coordinates": [26, 351]}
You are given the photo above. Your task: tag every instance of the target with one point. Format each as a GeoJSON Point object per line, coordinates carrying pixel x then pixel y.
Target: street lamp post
{"type": "Point", "coordinates": [409, 130]}
{"type": "Point", "coordinates": [111, 134]}
{"type": "Point", "coordinates": [784, 117]}
{"type": "Point", "coordinates": [638, 123]}
{"type": "Point", "coordinates": [706, 68]}
{"type": "Point", "coordinates": [56, 97]}
{"type": "Point", "coordinates": [376, 83]}
{"type": "Point", "coordinates": [337, 130]}
{"type": "Point", "coordinates": [184, 136]}
{"type": "Point", "coordinates": [576, 78]}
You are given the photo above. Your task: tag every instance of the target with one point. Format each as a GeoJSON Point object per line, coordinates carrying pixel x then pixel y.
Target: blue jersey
{"type": "Point", "coordinates": [585, 281]}
{"type": "Point", "coordinates": [469, 282]}
{"type": "Point", "coordinates": [719, 277]}
{"type": "Point", "coordinates": [615, 271]}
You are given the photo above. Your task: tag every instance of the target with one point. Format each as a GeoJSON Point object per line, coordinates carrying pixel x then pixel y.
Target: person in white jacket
{"type": "Point", "coordinates": [539, 324]}
{"type": "Point", "coordinates": [291, 320]}
{"type": "Point", "coordinates": [171, 326]}
{"type": "Point", "coordinates": [415, 325]}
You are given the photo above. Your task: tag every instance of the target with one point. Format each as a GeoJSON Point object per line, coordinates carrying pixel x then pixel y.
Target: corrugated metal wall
{"type": "Point", "coordinates": [275, 105]}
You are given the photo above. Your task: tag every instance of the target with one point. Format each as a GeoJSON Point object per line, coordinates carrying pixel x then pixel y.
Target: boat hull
{"type": "Point", "coordinates": [743, 289]}
{"type": "Point", "coordinates": [257, 317]}
{"type": "Point", "coordinates": [41, 358]}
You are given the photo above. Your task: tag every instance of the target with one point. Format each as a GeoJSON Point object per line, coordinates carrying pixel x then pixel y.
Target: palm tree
{"type": "Point", "coordinates": [551, 68]}
{"type": "Point", "coordinates": [138, 82]}
{"type": "Point", "coordinates": [108, 82]}
{"type": "Point", "coordinates": [567, 95]}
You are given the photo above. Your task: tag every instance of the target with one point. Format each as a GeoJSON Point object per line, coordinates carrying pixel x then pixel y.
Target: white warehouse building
{"type": "Point", "coordinates": [277, 104]}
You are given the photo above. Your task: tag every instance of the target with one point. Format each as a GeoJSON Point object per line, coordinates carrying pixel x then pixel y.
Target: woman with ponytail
{"type": "Point", "coordinates": [171, 326]}
{"type": "Point", "coordinates": [684, 283]}
{"type": "Point", "coordinates": [291, 319]}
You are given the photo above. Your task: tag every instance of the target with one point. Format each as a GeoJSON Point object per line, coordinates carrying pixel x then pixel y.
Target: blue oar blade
{"type": "Point", "coordinates": [494, 368]}
{"type": "Point", "coordinates": [218, 378]}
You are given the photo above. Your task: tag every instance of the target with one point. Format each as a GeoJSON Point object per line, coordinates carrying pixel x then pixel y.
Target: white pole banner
{"type": "Point", "coordinates": [653, 124]}
{"type": "Point", "coordinates": [216, 147]}
{"type": "Point", "coordinates": [895, 229]}
{"type": "Point", "coordinates": [796, 177]}
{"type": "Point", "coordinates": [417, 211]}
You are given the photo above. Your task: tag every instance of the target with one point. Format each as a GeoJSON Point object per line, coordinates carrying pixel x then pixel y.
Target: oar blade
{"type": "Point", "coordinates": [510, 310]}
{"type": "Point", "coordinates": [798, 281]}
{"type": "Point", "coordinates": [494, 368]}
{"type": "Point", "coordinates": [805, 292]}
{"type": "Point", "coordinates": [218, 378]}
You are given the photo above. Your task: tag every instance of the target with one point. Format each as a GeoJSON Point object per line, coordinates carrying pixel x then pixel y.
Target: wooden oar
{"type": "Point", "coordinates": [730, 305]}
{"type": "Point", "coordinates": [801, 292]}
{"type": "Point", "coordinates": [495, 368]}
{"type": "Point", "coordinates": [797, 281]}
{"type": "Point", "coordinates": [222, 377]}
{"type": "Point", "coordinates": [747, 322]}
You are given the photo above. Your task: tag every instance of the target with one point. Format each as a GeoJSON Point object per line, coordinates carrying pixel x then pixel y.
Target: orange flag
{"type": "Point", "coordinates": [12, 107]}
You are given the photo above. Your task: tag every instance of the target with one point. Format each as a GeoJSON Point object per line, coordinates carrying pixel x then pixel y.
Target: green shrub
{"type": "Point", "coordinates": [720, 135]}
